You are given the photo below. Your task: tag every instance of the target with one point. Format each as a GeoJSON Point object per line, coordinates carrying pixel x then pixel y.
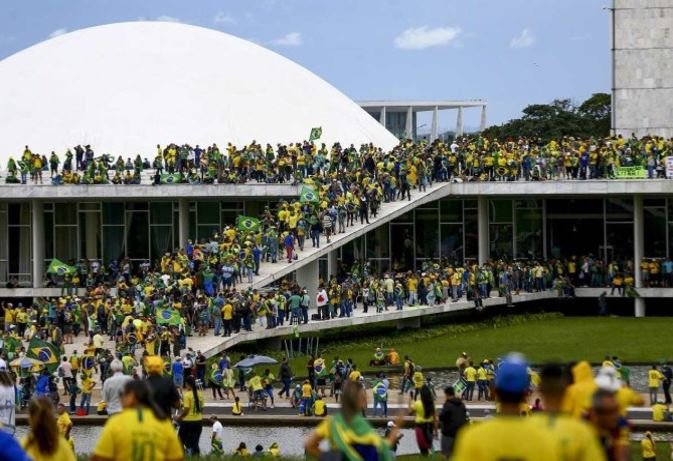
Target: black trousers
{"type": "Point", "coordinates": [190, 433]}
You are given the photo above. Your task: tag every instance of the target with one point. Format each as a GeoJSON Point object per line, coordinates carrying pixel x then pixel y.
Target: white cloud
{"type": "Point", "coordinates": [420, 38]}
{"type": "Point", "coordinates": [524, 40]}
{"type": "Point", "coordinates": [289, 39]}
{"type": "Point", "coordinates": [224, 18]}
{"type": "Point", "coordinates": [58, 32]}
{"type": "Point", "coordinates": [166, 18]}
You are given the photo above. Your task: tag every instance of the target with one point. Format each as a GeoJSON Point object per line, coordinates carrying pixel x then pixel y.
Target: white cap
{"type": "Point", "coordinates": [391, 424]}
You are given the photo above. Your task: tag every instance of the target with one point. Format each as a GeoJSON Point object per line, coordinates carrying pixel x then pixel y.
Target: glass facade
{"type": "Point", "coordinates": [445, 229]}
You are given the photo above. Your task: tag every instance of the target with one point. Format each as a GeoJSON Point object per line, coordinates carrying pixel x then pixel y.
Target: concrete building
{"type": "Point", "coordinates": [399, 117]}
{"type": "Point", "coordinates": [642, 42]}
{"type": "Point", "coordinates": [459, 222]}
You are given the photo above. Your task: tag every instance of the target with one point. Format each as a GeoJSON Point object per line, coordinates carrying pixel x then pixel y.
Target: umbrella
{"type": "Point", "coordinates": [254, 360]}
{"type": "Point", "coordinates": [27, 364]}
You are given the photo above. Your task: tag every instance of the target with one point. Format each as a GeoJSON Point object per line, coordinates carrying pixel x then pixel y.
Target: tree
{"type": "Point", "coordinates": [559, 118]}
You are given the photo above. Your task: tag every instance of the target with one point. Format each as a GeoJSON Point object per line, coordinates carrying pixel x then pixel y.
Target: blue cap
{"type": "Point", "coordinates": [512, 375]}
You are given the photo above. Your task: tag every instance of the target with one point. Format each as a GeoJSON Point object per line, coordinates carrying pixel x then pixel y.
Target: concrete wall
{"type": "Point", "coordinates": [643, 67]}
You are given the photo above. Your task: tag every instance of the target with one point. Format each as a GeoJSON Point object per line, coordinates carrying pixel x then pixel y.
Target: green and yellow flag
{"type": "Point", "coordinates": [60, 268]}
{"type": "Point", "coordinates": [316, 133]}
{"type": "Point", "coordinates": [308, 195]}
{"type": "Point", "coordinates": [168, 178]}
{"type": "Point", "coordinates": [248, 224]}
{"type": "Point", "coordinates": [44, 351]}
{"type": "Point", "coordinates": [169, 317]}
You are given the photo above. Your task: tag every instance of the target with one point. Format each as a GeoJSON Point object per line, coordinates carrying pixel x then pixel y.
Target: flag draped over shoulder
{"type": "Point", "coordinates": [248, 224]}
{"type": "Point", "coordinates": [169, 317]}
{"type": "Point", "coordinates": [316, 133]}
{"type": "Point", "coordinates": [357, 440]}
{"type": "Point", "coordinates": [308, 195]}
{"type": "Point", "coordinates": [58, 267]}
{"type": "Point", "coordinates": [44, 351]}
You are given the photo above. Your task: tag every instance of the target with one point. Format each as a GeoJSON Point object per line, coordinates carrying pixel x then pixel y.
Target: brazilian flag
{"type": "Point", "coordinates": [60, 268]}
{"type": "Point", "coordinates": [316, 133]}
{"type": "Point", "coordinates": [169, 317]}
{"type": "Point", "coordinates": [44, 351]}
{"type": "Point", "coordinates": [308, 195]}
{"type": "Point", "coordinates": [248, 224]}
{"type": "Point", "coordinates": [167, 178]}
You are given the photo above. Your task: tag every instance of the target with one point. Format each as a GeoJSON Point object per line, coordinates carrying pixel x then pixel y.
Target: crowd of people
{"type": "Point", "coordinates": [466, 159]}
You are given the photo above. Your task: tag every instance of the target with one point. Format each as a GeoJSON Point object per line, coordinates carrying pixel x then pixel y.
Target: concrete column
{"type": "Point", "coordinates": [37, 230]}
{"type": "Point", "coordinates": [410, 119]}
{"type": "Point", "coordinates": [307, 277]}
{"type": "Point", "coordinates": [382, 119]}
{"type": "Point", "coordinates": [638, 251]}
{"type": "Point", "coordinates": [332, 263]}
{"type": "Point", "coordinates": [183, 221]}
{"type": "Point", "coordinates": [482, 125]}
{"type": "Point", "coordinates": [482, 229]}
{"type": "Point", "coordinates": [459, 122]}
{"type": "Point", "coordinates": [433, 131]}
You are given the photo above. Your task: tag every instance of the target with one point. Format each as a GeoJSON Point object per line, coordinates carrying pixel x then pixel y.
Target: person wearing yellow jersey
{"type": "Point", "coordinates": [648, 448]}
{"type": "Point", "coordinates": [140, 431]}
{"type": "Point", "coordinates": [426, 420]}
{"type": "Point", "coordinates": [44, 442]}
{"type": "Point", "coordinates": [355, 374]}
{"type": "Point", "coordinates": [307, 397]}
{"type": "Point", "coordinates": [236, 408]}
{"type": "Point", "coordinates": [659, 412]}
{"type": "Point", "coordinates": [654, 379]}
{"type": "Point", "coordinates": [191, 417]}
{"type": "Point", "coordinates": [256, 387]}
{"type": "Point", "coordinates": [64, 424]}
{"type": "Point", "coordinates": [470, 375]}
{"type": "Point", "coordinates": [319, 407]}
{"type": "Point", "coordinates": [482, 383]}
{"type": "Point", "coordinates": [509, 436]}
{"type": "Point", "coordinates": [574, 438]}
{"type": "Point", "coordinates": [349, 433]}
{"type": "Point", "coordinates": [274, 450]}
{"type": "Point", "coordinates": [577, 400]}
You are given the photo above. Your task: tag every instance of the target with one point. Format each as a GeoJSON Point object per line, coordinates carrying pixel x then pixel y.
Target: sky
{"type": "Point", "coordinates": [511, 53]}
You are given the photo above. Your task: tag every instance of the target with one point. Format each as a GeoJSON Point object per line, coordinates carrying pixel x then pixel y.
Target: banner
{"type": "Point", "coordinates": [167, 178]}
{"type": "Point", "coordinates": [316, 133]}
{"type": "Point", "coordinates": [308, 195]}
{"type": "Point", "coordinates": [60, 268]}
{"type": "Point", "coordinates": [169, 317]}
{"type": "Point", "coordinates": [248, 224]}
{"type": "Point", "coordinates": [44, 351]}
{"type": "Point", "coordinates": [669, 167]}
{"type": "Point", "coordinates": [631, 172]}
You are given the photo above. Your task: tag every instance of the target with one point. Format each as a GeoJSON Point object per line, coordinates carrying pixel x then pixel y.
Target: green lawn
{"type": "Point", "coordinates": [543, 338]}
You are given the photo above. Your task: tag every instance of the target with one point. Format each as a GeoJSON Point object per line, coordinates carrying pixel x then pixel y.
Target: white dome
{"type": "Point", "coordinates": [123, 88]}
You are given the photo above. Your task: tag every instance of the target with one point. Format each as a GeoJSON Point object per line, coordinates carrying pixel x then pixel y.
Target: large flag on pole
{"type": "Point", "coordinates": [44, 351]}
{"type": "Point", "coordinates": [248, 224]}
{"type": "Point", "coordinates": [60, 268]}
{"type": "Point", "coordinates": [169, 317]}
{"type": "Point", "coordinates": [308, 195]}
{"type": "Point", "coordinates": [316, 133]}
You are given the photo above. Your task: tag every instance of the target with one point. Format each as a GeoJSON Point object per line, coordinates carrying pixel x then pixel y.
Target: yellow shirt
{"type": "Point", "coordinates": [306, 391]}
{"type": "Point", "coordinates": [255, 383]}
{"type": "Point", "coordinates": [648, 449]}
{"type": "Point", "coordinates": [419, 410]}
{"type": "Point", "coordinates": [574, 438]}
{"type": "Point", "coordinates": [63, 451]}
{"type": "Point", "coordinates": [227, 312]}
{"type": "Point", "coordinates": [189, 403]}
{"type": "Point", "coordinates": [355, 375]}
{"type": "Point", "coordinates": [508, 437]}
{"type": "Point", "coordinates": [138, 434]}
{"type": "Point", "coordinates": [63, 422]}
{"type": "Point", "coordinates": [470, 374]}
{"type": "Point", "coordinates": [658, 412]}
{"type": "Point", "coordinates": [654, 378]}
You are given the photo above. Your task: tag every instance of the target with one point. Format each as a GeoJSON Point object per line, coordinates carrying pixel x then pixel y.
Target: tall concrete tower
{"type": "Point", "coordinates": [642, 65]}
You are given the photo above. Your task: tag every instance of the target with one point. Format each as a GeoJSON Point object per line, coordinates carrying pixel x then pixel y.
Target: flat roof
{"type": "Point", "coordinates": [421, 106]}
